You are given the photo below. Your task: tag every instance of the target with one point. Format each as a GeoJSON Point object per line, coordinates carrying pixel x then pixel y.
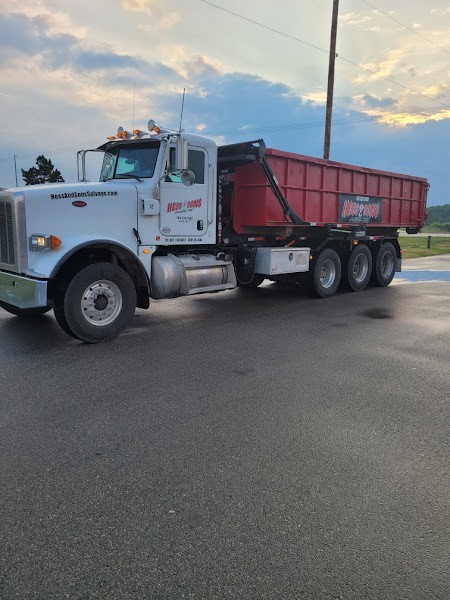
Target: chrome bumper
{"type": "Point", "coordinates": [22, 292]}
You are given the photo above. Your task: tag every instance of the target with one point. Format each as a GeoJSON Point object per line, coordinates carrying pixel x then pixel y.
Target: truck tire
{"type": "Point", "coordinates": [385, 263]}
{"type": "Point", "coordinates": [25, 312]}
{"type": "Point", "coordinates": [359, 269]}
{"type": "Point", "coordinates": [98, 303]}
{"type": "Point", "coordinates": [326, 274]}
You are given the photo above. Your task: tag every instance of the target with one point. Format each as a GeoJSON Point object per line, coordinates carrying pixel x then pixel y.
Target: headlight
{"type": "Point", "coordinates": [43, 241]}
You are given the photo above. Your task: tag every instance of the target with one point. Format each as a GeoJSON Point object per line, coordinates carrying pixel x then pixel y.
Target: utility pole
{"type": "Point", "coordinates": [15, 169]}
{"type": "Point", "coordinates": [334, 22]}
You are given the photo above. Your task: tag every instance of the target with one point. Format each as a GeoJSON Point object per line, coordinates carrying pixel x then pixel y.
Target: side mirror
{"type": "Point", "coordinates": [181, 154]}
{"type": "Point", "coordinates": [187, 177]}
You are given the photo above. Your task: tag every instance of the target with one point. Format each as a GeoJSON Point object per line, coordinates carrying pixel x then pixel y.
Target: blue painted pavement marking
{"type": "Point", "coordinates": [416, 276]}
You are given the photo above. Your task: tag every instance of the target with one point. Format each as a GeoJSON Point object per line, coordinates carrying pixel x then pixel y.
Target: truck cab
{"type": "Point", "coordinates": [176, 201]}
{"type": "Point", "coordinates": [127, 233]}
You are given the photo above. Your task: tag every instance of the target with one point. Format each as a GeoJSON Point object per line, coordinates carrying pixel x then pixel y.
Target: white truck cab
{"type": "Point", "coordinates": [93, 251]}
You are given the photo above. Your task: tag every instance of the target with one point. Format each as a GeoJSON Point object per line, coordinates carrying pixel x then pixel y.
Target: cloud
{"type": "Point", "coordinates": [92, 60]}
{"type": "Point", "coordinates": [139, 5]}
{"type": "Point", "coordinates": [437, 11]}
{"type": "Point", "coordinates": [319, 97]}
{"type": "Point", "coordinates": [190, 66]}
{"type": "Point", "coordinates": [53, 21]}
{"type": "Point", "coordinates": [381, 68]}
{"type": "Point", "coordinates": [354, 18]}
{"type": "Point", "coordinates": [161, 17]}
{"type": "Point", "coordinates": [18, 33]}
{"type": "Point", "coordinates": [374, 102]}
{"type": "Point", "coordinates": [167, 22]}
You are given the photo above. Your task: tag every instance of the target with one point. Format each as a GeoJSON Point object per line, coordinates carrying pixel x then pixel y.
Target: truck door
{"type": "Point", "coordinates": [184, 209]}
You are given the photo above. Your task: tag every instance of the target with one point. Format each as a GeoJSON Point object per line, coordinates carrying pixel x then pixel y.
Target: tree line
{"type": "Point", "coordinates": [43, 172]}
{"type": "Point", "coordinates": [439, 217]}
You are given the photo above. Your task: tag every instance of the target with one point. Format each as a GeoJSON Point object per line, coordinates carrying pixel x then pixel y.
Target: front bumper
{"type": "Point", "coordinates": [22, 292]}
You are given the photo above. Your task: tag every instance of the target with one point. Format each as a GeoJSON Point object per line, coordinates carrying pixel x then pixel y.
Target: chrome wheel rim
{"type": "Point", "coordinates": [101, 303]}
{"type": "Point", "coordinates": [387, 264]}
{"type": "Point", "coordinates": [360, 268]}
{"type": "Point", "coordinates": [327, 273]}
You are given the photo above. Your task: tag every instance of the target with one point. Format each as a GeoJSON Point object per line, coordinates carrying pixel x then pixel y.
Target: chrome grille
{"type": "Point", "coordinates": [7, 252]}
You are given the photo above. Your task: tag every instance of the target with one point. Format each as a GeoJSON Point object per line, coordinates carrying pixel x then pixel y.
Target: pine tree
{"type": "Point", "coordinates": [44, 172]}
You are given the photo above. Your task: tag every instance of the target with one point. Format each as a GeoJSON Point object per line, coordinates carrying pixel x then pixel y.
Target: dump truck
{"type": "Point", "coordinates": [173, 214]}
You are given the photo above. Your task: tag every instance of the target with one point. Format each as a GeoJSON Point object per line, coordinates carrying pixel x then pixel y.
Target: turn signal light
{"type": "Point", "coordinates": [54, 242]}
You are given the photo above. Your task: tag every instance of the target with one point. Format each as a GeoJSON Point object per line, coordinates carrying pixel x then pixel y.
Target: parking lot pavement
{"type": "Point", "coordinates": [427, 263]}
{"type": "Point", "coordinates": [429, 268]}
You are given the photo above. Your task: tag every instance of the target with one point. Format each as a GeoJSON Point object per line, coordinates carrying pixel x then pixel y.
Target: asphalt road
{"type": "Point", "coordinates": [237, 445]}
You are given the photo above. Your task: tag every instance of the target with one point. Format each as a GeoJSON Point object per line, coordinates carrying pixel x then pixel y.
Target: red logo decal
{"type": "Point", "coordinates": [79, 203]}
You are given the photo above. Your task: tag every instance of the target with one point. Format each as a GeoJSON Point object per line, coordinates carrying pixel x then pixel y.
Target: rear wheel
{"type": "Point", "coordinates": [25, 312]}
{"type": "Point", "coordinates": [385, 264]}
{"type": "Point", "coordinates": [326, 274]}
{"type": "Point", "coordinates": [98, 303]}
{"type": "Point", "coordinates": [359, 268]}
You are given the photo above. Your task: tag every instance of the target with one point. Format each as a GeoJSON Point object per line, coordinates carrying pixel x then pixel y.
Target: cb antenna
{"type": "Point", "coordinates": [182, 107]}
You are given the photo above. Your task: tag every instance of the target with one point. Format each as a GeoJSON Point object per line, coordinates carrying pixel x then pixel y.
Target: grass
{"type": "Point", "coordinates": [435, 230]}
{"type": "Point", "coordinates": [416, 247]}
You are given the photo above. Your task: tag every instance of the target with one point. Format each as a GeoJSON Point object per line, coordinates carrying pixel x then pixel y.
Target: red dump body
{"type": "Point", "coordinates": [323, 192]}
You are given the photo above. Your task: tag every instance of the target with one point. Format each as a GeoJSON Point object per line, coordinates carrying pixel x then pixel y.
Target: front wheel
{"type": "Point", "coordinates": [25, 312]}
{"type": "Point", "coordinates": [326, 274]}
{"type": "Point", "coordinates": [385, 264]}
{"type": "Point", "coordinates": [97, 304]}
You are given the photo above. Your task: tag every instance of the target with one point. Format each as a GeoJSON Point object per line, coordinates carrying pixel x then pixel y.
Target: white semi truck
{"type": "Point", "coordinates": [174, 214]}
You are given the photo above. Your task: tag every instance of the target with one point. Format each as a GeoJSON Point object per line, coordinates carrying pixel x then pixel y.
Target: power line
{"type": "Point", "coordinates": [405, 26]}
{"type": "Point", "coordinates": [291, 126]}
{"type": "Point", "coordinates": [291, 37]}
{"type": "Point", "coordinates": [343, 58]}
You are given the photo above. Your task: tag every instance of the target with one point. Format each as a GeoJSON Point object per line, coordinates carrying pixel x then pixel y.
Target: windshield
{"type": "Point", "coordinates": [130, 160]}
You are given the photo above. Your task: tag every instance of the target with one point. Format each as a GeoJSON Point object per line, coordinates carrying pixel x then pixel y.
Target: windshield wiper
{"type": "Point", "coordinates": [128, 176]}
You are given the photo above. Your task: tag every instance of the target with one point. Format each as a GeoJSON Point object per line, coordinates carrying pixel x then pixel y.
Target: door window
{"type": "Point", "coordinates": [196, 164]}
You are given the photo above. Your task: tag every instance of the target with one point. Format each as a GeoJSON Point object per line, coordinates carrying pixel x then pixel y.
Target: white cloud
{"type": "Point", "coordinates": [139, 5]}
{"type": "Point", "coordinates": [56, 22]}
{"type": "Point", "coordinates": [437, 11]}
{"type": "Point", "coordinates": [354, 18]}
{"type": "Point", "coordinates": [161, 17]}
{"type": "Point", "coordinates": [315, 97]}
{"type": "Point", "coordinates": [189, 66]}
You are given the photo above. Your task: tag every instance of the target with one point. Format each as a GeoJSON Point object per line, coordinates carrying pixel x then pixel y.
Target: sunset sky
{"type": "Point", "coordinates": [72, 72]}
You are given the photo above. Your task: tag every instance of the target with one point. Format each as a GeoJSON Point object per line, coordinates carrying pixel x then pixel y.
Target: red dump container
{"type": "Point", "coordinates": [323, 192]}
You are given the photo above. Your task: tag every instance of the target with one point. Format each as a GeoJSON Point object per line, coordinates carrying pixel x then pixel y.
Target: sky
{"type": "Point", "coordinates": [73, 72]}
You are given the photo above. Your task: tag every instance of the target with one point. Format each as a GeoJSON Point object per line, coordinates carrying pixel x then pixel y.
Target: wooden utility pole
{"type": "Point", "coordinates": [330, 88]}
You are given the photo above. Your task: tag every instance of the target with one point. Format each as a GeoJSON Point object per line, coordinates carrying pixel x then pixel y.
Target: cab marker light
{"type": "Point", "coordinates": [152, 127]}
{"type": "Point", "coordinates": [45, 241]}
